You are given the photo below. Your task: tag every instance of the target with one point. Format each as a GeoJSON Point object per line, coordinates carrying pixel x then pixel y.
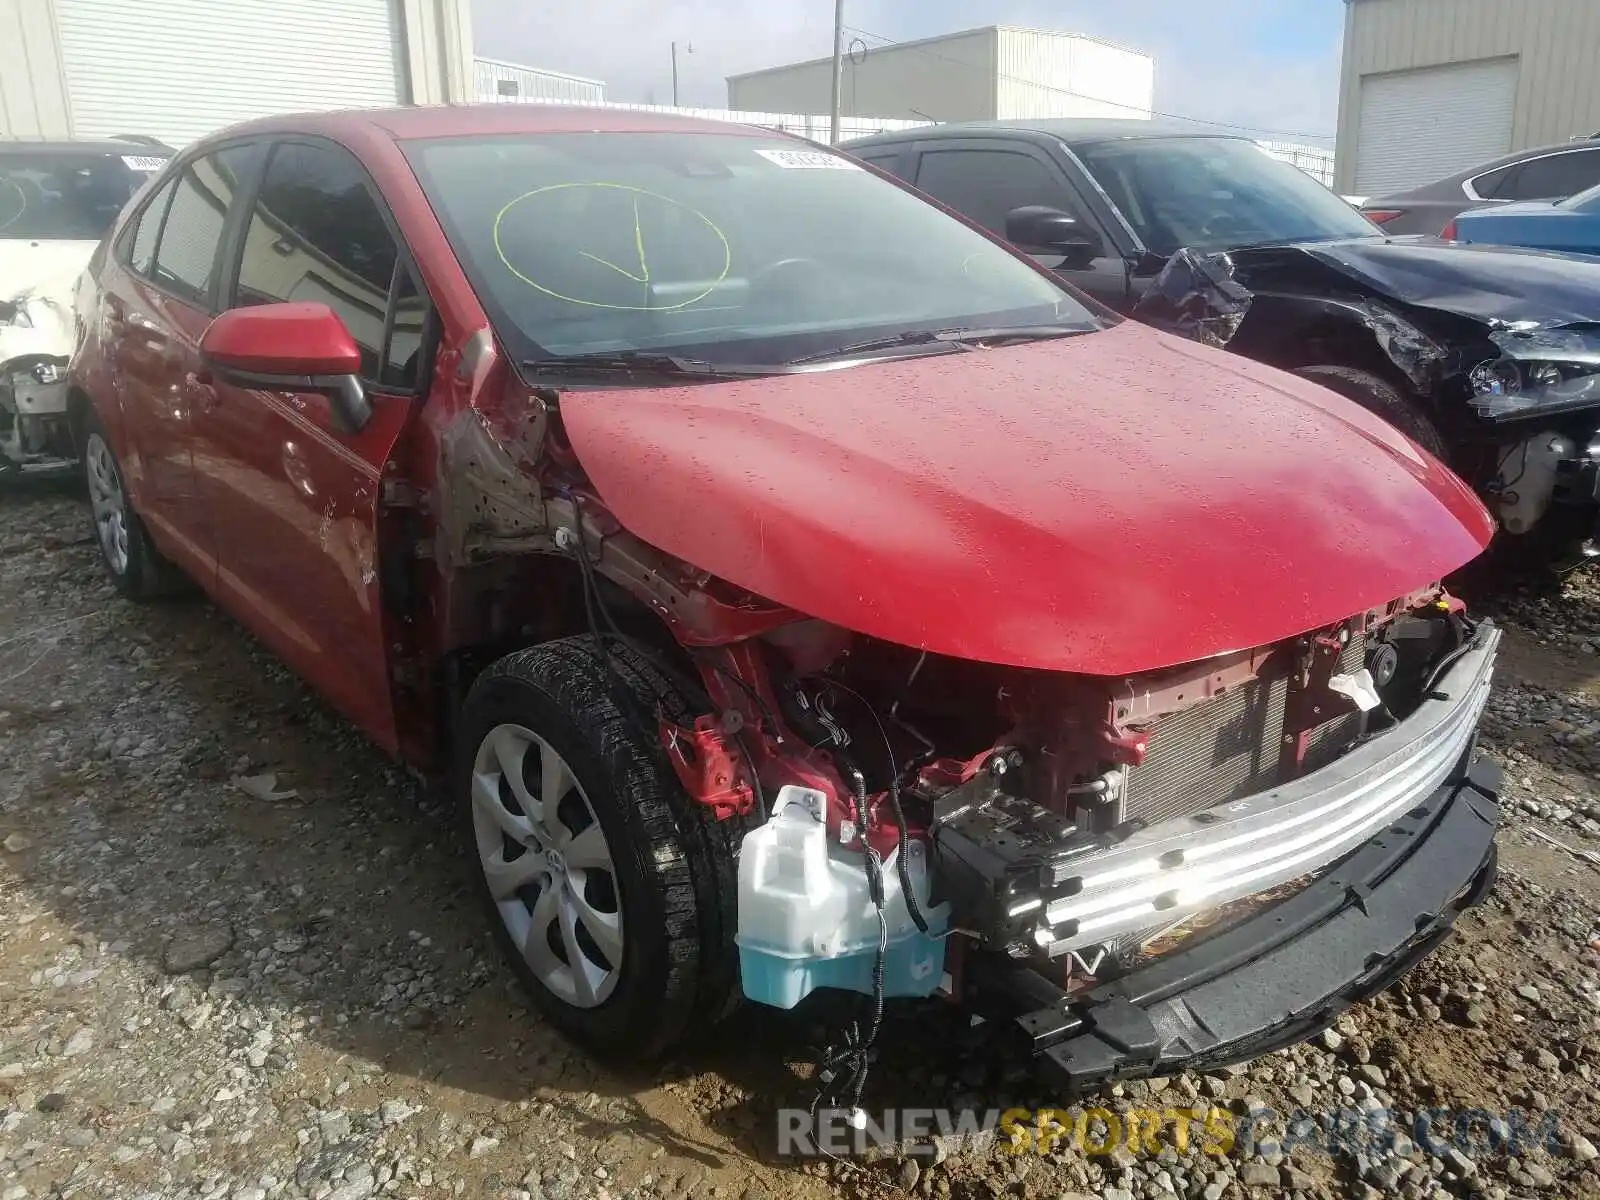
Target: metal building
{"type": "Point", "coordinates": [1432, 87]}
{"type": "Point", "coordinates": [991, 73]}
{"type": "Point", "coordinates": [179, 69]}
{"type": "Point", "coordinates": [497, 82]}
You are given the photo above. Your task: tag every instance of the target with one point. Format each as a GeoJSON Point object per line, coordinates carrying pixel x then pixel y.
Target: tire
{"type": "Point", "coordinates": [671, 875]}
{"type": "Point", "coordinates": [137, 569]}
{"type": "Point", "coordinates": [1381, 398]}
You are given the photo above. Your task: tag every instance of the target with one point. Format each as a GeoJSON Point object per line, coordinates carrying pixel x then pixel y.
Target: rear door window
{"type": "Point", "coordinates": [886, 160]}
{"type": "Point", "coordinates": [1553, 177]}
{"type": "Point", "coordinates": [1490, 184]}
{"type": "Point", "coordinates": [141, 238]}
{"type": "Point", "coordinates": [186, 257]}
{"type": "Point", "coordinates": [316, 232]}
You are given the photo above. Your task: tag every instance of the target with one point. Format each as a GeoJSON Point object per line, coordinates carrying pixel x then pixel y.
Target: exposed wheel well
{"type": "Point", "coordinates": [512, 604]}
{"type": "Point", "coordinates": [1333, 342]}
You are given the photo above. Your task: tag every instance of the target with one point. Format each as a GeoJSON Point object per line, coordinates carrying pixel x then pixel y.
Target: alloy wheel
{"type": "Point", "coordinates": [107, 502]}
{"type": "Point", "coordinates": [548, 865]}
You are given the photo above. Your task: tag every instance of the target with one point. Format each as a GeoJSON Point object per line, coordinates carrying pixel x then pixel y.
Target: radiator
{"type": "Point", "coordinates": [1228, 747]}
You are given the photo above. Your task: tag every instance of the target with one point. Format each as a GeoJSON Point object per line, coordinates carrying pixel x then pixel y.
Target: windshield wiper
{"type": "Point", "coordinates": [640, 362]}
{"type": "Point", "coordinates": [956, 339]}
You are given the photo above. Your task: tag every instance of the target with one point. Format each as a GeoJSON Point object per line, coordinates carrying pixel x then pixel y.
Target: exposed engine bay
{"type": "Point", "coordinates": [988, 787]}
{"type": "Point", "coordinates": [986, 792]}
{"type": "Point", "coordinates": [35, 345]}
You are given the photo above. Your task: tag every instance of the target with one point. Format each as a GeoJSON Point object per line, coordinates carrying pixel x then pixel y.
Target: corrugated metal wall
{"type": "Point", "coordinates": [1044, 74]}
{"type": "Point", "coordinates": [1557, 43]}
{"type": "Point", "coordinates": [941, 79]}
{"type": "Point", "coordinates": [437, 35]}
{"type": "Point", "coordinates": [202, 65]}
{"type": "Point", "coordinates": [181, 68]}
{"type": "Point", "coordinates": [496, 82]}
{"type": "Point", "coordinates": [33, 88]}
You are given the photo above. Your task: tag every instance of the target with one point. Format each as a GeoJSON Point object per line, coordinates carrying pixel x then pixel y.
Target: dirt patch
{"type": "Point", "coordinates": [206, 994]}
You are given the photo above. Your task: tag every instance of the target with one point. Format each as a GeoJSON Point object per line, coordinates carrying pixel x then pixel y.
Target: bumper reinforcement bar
{"type": "Point", "coordinates": [1287, 972]}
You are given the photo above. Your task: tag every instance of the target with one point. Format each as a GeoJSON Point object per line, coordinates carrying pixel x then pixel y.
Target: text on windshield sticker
{"type": "Point", "coordinates": [813, 159]}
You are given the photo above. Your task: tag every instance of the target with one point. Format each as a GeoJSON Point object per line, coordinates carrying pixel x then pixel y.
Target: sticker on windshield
{"type": "Point", "coordinates": [813, 159]}
{"type": "Point", "coordinates": [142, 162]}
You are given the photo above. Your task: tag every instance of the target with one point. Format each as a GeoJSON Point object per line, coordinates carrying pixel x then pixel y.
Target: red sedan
{"type": "Point", "coordinates": [799, 587]}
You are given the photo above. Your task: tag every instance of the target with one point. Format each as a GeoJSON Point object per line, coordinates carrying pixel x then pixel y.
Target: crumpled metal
{"type": "Point", "coordinates": [1196, 296]}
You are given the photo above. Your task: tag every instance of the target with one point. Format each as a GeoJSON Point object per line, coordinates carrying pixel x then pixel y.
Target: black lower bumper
{"type": "Point", "coordinates": [1287, 972]}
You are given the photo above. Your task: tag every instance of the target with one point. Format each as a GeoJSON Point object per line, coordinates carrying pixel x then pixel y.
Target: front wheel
{"type": "Point", "coordinates": [1382, 399]}
{"type": "Point", "coordinates": [610, 892]}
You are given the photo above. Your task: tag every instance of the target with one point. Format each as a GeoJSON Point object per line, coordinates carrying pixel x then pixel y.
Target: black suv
{"type": "Point", "coordinates": [1488, 357]}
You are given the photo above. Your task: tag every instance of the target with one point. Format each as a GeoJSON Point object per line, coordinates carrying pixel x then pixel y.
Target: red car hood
{"type": "Point", "coordinates": [1108, 504]}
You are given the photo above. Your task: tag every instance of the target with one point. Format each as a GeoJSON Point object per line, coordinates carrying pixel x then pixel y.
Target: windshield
{"type": "Point", "coordinates": [725, 247]}
{"type": "Point", "coordinates": [1210, 193]}
{"type": "Point", "coordinates": [73, 196]}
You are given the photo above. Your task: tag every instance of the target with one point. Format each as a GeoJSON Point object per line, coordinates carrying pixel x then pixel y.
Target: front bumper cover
{"type": "Point", "coordinates": [1288, 972]}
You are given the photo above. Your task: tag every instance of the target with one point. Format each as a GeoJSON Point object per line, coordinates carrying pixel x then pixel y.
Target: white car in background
{"type": "Point", "coordinates": [57, 199]}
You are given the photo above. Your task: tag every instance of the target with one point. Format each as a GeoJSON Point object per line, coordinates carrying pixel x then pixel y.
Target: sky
{"type": "Point", "coordinates": [1270, 65]}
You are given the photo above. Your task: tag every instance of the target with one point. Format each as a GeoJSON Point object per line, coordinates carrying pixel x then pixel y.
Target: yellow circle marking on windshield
{"type": "Point", "coordinates": [639, 273]}
{"type": "Point", "coordinates": [22, 203]}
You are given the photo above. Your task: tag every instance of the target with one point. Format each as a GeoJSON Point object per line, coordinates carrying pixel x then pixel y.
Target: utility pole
{"type": "Point", "coordinates": [838, 64]}
{"type": "Point", "coordinates": [674, 74]}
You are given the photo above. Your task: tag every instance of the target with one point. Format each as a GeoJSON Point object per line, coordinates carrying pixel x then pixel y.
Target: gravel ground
{"type": "Point", "coordinates": [211, 988]}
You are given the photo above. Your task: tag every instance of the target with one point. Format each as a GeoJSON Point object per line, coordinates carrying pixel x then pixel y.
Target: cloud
{"type": "Point", "coordinates": [1259, 63]}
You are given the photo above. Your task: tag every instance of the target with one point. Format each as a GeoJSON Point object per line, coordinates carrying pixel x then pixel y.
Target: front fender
{"type": "Point", "coordinates": [1278, 324]}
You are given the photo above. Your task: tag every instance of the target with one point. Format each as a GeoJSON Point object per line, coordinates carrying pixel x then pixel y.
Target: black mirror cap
{"type": "Point", "coordinates": [348, 402]}
{"type": "Point", "coordinates": [1040, 229]}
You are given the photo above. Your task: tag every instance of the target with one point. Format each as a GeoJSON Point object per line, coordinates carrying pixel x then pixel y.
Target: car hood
{"type": "Point", "coordinates": [1494, 284]}
{"type": "Point", "coordinates": [35, 266]}
{"type": "Point", "coordinates": [1107, 504]}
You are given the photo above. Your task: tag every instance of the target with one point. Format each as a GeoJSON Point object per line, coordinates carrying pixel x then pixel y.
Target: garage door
{"type": "Point", "coordinates": [183, 68]}
{"type": "Point", "coordinates": [1418, 126]}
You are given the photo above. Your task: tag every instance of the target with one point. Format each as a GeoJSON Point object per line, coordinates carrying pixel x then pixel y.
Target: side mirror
{"type": "Point", "coordinates": [1040, 229]}
{"type": "Point", "coordinates": [300, 346]}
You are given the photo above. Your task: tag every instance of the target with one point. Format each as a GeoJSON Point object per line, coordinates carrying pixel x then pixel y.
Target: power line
{"type": "Point", "coordinates": [923, 49]}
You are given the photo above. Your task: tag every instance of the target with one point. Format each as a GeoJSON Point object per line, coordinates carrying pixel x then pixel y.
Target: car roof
{"type": "Point", "coordinates": [138, 146]}
{"type": "Point", "coordinates": [1451, 184]}
{"type": "Point", "coordinates": [1071, 130]}
{"type": "Point", "coordinates": [1506, 160]}
{"type": "Point", "coordinates": [465, 120]}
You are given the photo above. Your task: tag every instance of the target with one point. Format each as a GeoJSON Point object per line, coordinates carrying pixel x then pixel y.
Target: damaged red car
{"type": "Point", "coordinates": [800, 588]}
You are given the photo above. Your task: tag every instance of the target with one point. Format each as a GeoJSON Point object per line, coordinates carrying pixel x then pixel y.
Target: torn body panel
{"type": "Point", "coordinates": [834, 502]}
{"type": "Point", "coordinates": [1499, 350]}
{"type": "Point", "coordinates": [919, 754]}
{"type": "Point", "coordinates": [36, 340]}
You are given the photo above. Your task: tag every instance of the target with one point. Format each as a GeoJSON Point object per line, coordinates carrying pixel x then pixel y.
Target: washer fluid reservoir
{"type": "Point", "coordinates": [806, 916]}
